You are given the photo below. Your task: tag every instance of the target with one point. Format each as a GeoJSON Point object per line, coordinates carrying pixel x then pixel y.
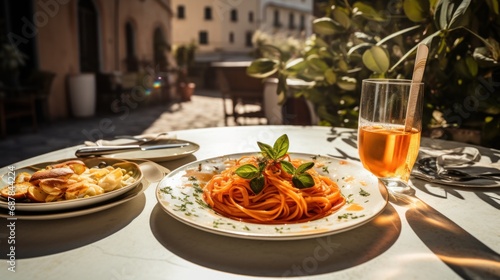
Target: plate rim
{"type": "Point", "coordinates": [91, 209]}
{"type": "Point", "coordinates": [262, 236]}
{"type": "Point", "coordinates": [159, 158]}
{"type": "Point", "coordinates": [72, 204]}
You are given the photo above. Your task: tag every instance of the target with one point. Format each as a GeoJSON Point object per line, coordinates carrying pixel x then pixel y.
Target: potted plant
{"type": "Point", "coordinates": [11, 61]}
{"type": "Point", "coordinates": [360, 39]}
{"type": "Point", "coordinates": [184, 57]}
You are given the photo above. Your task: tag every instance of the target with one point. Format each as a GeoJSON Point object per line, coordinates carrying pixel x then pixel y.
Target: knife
{"type": "Point", "coordinates": [106, 150]}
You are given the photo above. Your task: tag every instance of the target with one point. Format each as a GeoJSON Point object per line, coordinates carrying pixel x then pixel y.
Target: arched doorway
{"type": "Point", "coordinates": [131, 59]}
{"type": "Point", "coordinates": [88, 33]}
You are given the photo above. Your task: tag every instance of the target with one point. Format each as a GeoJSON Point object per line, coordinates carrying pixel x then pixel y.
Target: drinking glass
{"type": "Point", "coordinates": [388, 138]}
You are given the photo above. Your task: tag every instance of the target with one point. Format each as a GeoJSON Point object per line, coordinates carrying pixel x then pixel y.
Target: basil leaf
{"type": "Point", "coordinates": [288, 167]}
{"type": "Point", "coordinates": [281, 146]}
{"type": "Point", "coordinates": [257, 184]}
{"type": "Point", "coordinates": [303, 181]}
{"type": "Point", "coordinates": [262, 165]}
{"type": "Point", "coordinates": [247, 171]}
{"type": "Point", "coordinates": [267, 150]}
{"type": "Point", "coordinates": [305, 166]}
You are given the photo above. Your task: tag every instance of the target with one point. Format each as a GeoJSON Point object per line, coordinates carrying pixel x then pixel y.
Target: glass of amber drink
{"type": "Point", "coordinates": [388, 138]}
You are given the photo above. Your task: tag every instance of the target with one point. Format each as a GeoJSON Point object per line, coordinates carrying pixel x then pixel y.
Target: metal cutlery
{"type": "Point", "coordinates": [457, 175]}
{"type": "Point", "coordinates": [105, 150]}
{"type": "Point", "coordinates": [141, 139]}
{"type": "Point", "coordinates": [428, 167]}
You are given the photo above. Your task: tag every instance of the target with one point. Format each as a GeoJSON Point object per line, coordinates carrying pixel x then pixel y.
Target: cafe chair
{"type": "Point", "coordinates": [109, 89]}
{"type": "Point", "coordinates": [41, 82]}
{"type": "Point", "coordinates": [16, 104]}
{"type": "Point", "coordinates": [245, 93]}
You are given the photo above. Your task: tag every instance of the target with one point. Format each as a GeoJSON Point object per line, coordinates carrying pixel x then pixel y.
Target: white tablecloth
{"type": "Point", "coordinates": [447, 233]}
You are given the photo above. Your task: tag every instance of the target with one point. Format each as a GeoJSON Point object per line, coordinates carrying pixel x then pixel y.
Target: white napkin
{"type": "Point", "coordinates": [115, 142]}
{"type": "Point", "coordinates": [465, 159]}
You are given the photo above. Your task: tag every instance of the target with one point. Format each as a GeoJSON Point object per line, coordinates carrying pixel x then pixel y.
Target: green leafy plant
{"type": "Point", "coordinates": [11, 58]}
{"type": "Point", "coordinates": [184, 54]}
{"type": "Point", "coordinates": [355, 40]}
{"type": "Point", "coordinates": [275, 156]}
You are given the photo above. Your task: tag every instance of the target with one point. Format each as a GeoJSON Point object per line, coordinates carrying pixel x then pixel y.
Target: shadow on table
{"type": "Point", "coordinates": [277, 258]}
{"type": "Point", "coordinates": [453, 245]}
{"type": "Point", "coordinates": [174, 164]}
{"type": "Point", "coordinates": [35, 238]}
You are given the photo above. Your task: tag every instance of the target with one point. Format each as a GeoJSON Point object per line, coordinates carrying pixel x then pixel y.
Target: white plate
{"type": "Point", "coordinates": [73, 203]}
{"type": "Point", "coordinates": [139, 189]}
{"type": "Point", "coordinates": [160, 154]}
{"type": "Point", "coordinates": [186, 204]}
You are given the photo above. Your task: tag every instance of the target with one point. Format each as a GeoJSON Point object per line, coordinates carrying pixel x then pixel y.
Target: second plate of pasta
{"type": "Point", "coordinates": [183, 195]}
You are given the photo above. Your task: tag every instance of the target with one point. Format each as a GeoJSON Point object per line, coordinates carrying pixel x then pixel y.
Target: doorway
{"type": "Point", "coordinates": [88, 33]}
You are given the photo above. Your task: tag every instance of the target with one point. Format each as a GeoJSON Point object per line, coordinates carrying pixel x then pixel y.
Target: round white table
{"type": "Point", "coordinates": [442, 233]}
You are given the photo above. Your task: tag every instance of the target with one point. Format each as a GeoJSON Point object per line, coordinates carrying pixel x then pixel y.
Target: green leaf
{"type": "Point", "coordinates": [247, 171]}
{"type": "Point", "coordinates": [343, 66]}
{"type": "Point", "coordinates": [271, 51]}
{"type": "Point", "coordinates": [462, 8]}
{"type": "Point", "coordinates": [359, 46]}
{"type": "Point", "coordinates": [494, 6]}
{"type": "Point", "coordinates": [304, 167]}
{"type": "Point", "coordinates": [282, 89]}
{"type": "Point", "coordinates": [395, 34]}
{"type": "Point", "coordinates": [303, 181]}
{"type": "Point", "coordinates": [368, 12]}
{"type": "Point", "coordinates": [330, 76]}
{"type": "Point", "coordinates": [376, 59]}
{"type": "Point", "coordinates": [317, 63]}
{"type": "Point", "coordinates": [442, 9]}
{"type": "Point", "coordinates": [257, 184]}
{"type": "Point", "coordinates": [296, 65]}
{"type": "Point", "coordinates": [347, 83]}
{"type": "Point", "coordinates": [324, 26]}
{"type": "Point", "coordinates": [288, 167]}
{"type": "Point", "coordinates": [416, 10]}
{"type": "Point", "coordinates": [447, 14]}
{"type": "Point", "coordinates": [267, 150]}
{"type": "Point", "coordinates": [466, 68]}
{"type": "Point", "coordinates": [341, 17]}
{"type": "Point", "coordinates": [262, 165]}
{"type": "Point", "coordinates": [281, 146]}
{"type": "Point", "coordinates": [262, 68]}
{"type": "Point", "coordinates": [325, 115]}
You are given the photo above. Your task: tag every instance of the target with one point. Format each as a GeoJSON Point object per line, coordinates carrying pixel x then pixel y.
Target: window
{"type": "Point", "coordinates": [248, 39]}
{"type": "Point", "coordinates": [181, 12]}
{"type": "Point", "coordinates": [234, 15]}
{"type": "Point", "coordinates": [208, 13]}
{"type": "Point", "coordinates": [276, 19]}
{"type": "Point", "coordinates": [231, 37]}
{"type": "Point", "coordinates": [291, 21]}
{"type": "Point", "coordinates": [203, 38]}
{"type": "Point", "coordinates": [250, 16]}
{"type": "Point", "coordinates": [302, 25]}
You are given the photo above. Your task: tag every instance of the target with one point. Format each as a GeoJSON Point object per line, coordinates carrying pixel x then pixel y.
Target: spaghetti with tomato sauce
{"type": "Point", "coordinates": [279, 202]}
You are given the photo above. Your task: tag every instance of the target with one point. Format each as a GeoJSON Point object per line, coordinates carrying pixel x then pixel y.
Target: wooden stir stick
{"type": "Point", "coordinates": [418, 73]}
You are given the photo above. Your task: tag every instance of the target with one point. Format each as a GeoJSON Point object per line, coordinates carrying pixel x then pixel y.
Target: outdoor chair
{"type": "Point", "coordinates": [245, 93]}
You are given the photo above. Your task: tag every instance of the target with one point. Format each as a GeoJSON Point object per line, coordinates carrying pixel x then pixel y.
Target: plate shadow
{"type": "Point", "coordinates": [35, 238]}
{"type": "Point", "coordinates": [277, 258]}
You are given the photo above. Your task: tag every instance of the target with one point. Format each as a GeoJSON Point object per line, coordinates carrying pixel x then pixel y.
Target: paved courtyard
{"type": "Point", "coordinates": [204, 110]}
